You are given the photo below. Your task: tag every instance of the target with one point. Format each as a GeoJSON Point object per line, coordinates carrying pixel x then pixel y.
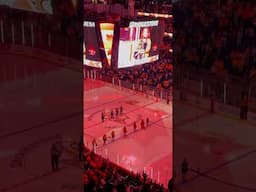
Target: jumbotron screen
{"type": "Point", "coordinates": [42, 6]}
{"type": "Point", "coordinates": [91, 46]}
{"type": "Point", "coordinates": [138, 43]}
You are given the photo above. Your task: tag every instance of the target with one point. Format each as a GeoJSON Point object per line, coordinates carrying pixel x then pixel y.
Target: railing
{"type": "Point", "coordinates": [151, 91]}
{"type": "Point", "coordinates": [156, 175]}
{"type": "Point", "coordinates": [27, 34]}
{"type": "Point", "coordinates": [33, 32]}
{"type": "Point", "coordinates": [204, 84]}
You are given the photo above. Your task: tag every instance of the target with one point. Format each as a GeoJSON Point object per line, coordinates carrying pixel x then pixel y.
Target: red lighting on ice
{"type": "Point", "coordinates": [129, 159]}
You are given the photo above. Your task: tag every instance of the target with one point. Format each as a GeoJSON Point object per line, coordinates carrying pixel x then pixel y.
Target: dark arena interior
{"type": "Point", "coordinates": [127, 95]}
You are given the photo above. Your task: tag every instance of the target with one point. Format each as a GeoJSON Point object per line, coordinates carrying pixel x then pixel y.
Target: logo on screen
{"type": "Point", "coordinates": [91, 51]}
{"type": "Point", "coordinates": [107, 33]}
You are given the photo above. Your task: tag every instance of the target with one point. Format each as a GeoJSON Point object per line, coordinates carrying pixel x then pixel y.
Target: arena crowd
{"type": "Point", "coordinates": [154, 75]}
{"type": "Point", "coordinates": [100, 175]}
{"type": "Point", "coordinates": [218, 35]}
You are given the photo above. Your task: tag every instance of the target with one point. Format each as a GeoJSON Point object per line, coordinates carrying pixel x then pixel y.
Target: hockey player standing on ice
{"type": "Point", "coordinates": [112, 114]}
{"type": "Point", "coordinates": [142, 124]}
{"type": "Point", "coordinates": [125, 130]}
{"type": "Point", "coordinates": [134, 126]}
{"type": "Point", "coordinates": [113, 135]}
{"type": "Point", "coordinates": [104, 139]}
{"type": "Point", "coordinates": [121, 109]}
{"type": "Point", "coordinates": [147, 121]}
{"type": "Point", "coordinates": [117, 111]}
{"type": "Point", "coordinates": [102, 116]}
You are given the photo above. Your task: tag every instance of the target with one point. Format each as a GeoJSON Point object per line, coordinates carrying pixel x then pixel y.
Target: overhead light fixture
{"type": "Point", "coordinates": [160, 15]}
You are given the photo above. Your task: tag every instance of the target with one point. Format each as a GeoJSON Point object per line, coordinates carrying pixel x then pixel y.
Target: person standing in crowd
{"type": "Point", "coordinates": [170, 185]}
{"type": "Point", "coordinates": [81, 149]}
{"type": "Point", "coordinates": [86, 182]}
{"type": "Point", "coordinates": [55, 156]}
{"type": "Point", "coordinates": [144, 175]}
{"type": "Point", "coordinates": [244, 108]}
{"type": "Point", "coordinates": [147, 121]}
{"type": "Point", "coordinates": [184, 169]}
{"type": "Point", "coordinates": [168, 101]}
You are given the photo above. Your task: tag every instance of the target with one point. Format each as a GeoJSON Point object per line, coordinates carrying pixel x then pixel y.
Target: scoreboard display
{"type": "Point", "coordinates": [91, 54]}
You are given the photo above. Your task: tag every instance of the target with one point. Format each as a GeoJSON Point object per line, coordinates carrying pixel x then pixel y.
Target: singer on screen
{"type": "Point", "coordinates": [144, 45]}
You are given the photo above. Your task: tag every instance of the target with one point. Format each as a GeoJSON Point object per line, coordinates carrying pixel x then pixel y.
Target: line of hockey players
{"type": "Point", "coordinates": [143, 125]}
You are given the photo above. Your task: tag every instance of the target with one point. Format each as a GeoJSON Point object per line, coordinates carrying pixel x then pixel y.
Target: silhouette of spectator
{"type": "Point", "coordinates": [184, 169]}
{"type": "Point", "coordinates": [55, 156]}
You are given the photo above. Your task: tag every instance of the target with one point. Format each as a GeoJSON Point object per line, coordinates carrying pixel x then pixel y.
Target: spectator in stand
{"type": "Point", "coordinates": [170, 185]}
{"type": "Point", "coordinates": [81, 149]}
{"type": "Point", "coordinates": [55, 157]}
{"type": "Point", "coordinates": [154, 76]}
{"type": "Point", "coordinates": [184, 170]}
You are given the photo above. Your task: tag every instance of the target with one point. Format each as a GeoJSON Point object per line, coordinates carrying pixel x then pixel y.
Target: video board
{"type": "Point", "coordinates": [91, 54]}
{"type": "Point", "coordinates": [139, 43]}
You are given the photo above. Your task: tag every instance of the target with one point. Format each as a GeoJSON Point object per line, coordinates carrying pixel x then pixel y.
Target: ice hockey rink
{"type": "Point", "coordinates": [148, 149]}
